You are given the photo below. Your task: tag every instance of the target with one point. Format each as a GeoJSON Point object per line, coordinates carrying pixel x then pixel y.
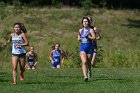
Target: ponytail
{"type": "Point", "coordinates": [53, 47]}
{"type": "Point", "coordinates": [23, 28]}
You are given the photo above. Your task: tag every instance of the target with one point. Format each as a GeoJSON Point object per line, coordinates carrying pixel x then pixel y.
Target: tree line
{"type": "Point", "coordinates": [111, 4]}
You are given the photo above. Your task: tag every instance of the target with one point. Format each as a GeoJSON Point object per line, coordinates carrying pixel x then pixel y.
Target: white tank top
{"type": "Point", "coordinates": [17, 49]}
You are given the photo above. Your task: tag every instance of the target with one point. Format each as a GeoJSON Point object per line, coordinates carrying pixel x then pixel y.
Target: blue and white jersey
{"type": "Point", "coordinates": [83, 38]}
{"type": "Point", "coordinates": [86, 44]}
{"type": "Point", "coordinates": [17, 49]}
{"type": "Point", "coordinates": [56, 56]}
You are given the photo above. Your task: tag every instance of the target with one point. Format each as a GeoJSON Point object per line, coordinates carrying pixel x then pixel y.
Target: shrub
{"type": "Point", "coordinates": [87, 5]}
{"type": "Point", "coordinates": [2, 11]}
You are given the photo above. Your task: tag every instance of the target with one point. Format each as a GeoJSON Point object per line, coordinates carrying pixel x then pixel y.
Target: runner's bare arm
{"type": "Point", "coordinates": [79, 38]}
{"type": "Point", "coordinates": [92, 37]}
{"type": "Point", "coordinates": [51, 54]}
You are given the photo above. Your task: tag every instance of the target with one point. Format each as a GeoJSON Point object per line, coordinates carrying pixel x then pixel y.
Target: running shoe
{"type": "Point", "coordinates": [89, 74]}
{"type": "Point", "coordinates": [28, 68]}
{"type": "Point", "coordinates": [21, 77]}
{"type": "Point", "coordinates": [14, 82]}
{"type": "Point", "coordinates": [86, 79]}
{"type": "Point", "coordinates": [33, 67]}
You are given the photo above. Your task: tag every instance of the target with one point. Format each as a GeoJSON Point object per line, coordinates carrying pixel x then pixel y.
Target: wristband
{"type": "Point", "coordinates": [86, 36]}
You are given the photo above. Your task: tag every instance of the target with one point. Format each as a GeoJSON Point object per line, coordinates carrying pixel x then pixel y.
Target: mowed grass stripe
{"type": "Point", "coordinates": [71, 81]}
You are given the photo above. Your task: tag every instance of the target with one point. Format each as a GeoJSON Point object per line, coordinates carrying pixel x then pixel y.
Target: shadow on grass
{"type": "Point", "coordinates": [38, 82]}
{"type": "Point", "coordinates": [112, 79]}
{"type": "Point", "coordinates": [2, 80]}
{"type": "Point", "coordinates": [64, 76]}
{"type": "Point", "coordinates": [132, 23]}
{"type": "Point", "coordinates": [50, 82]}
{"type": "Point", "coordinates": [60, 80]}
{"type": "Point", "coordinates": [3, 76]}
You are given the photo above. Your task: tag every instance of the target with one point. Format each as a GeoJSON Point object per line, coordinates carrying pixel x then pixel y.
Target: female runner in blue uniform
{"type": "Point", "coordinates": [97, 35]}
{"type": "Point", "coordinates": [86, 35]}
{"type": "Point", "coordinates": [55, 56]}
{"type": "Point", "coordinates": [19, 41]}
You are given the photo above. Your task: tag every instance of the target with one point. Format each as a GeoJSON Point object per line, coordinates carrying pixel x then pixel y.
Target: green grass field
{"type": "Point", "coordinates": [105, 80]}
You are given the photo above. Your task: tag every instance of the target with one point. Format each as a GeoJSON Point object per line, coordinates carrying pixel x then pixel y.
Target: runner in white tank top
{"type": "Point", "coordinates": [19, 41]}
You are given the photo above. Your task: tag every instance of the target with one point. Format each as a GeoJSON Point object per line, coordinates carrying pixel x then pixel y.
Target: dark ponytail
{"type": "Point", "coordinates": [53, 47]}
{"type": "Point", "coordinates": [22, 27]}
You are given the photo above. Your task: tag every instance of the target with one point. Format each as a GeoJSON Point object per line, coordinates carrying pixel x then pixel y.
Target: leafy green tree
{"type": "Point", "coordinates": [87, 5]}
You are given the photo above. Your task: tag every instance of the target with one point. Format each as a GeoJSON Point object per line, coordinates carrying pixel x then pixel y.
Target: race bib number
{"type": "Point", "coordinates": [84, 40]}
